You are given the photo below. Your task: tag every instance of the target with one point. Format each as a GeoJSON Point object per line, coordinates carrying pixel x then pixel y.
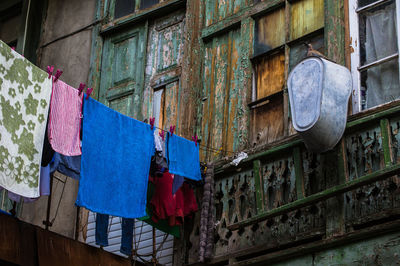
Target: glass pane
{"type": "Point", "coordinates": [123, 8]}
{"type": "Point", "coordinates": [148, 3]}
{"type": "Point", "coordinates": [378, 38]}
{"type": "Point", "coordinates": [307, 16]}
{"type": "Point", "coordinates": [299, 51]}
{"type": "Point", "coordinates": [269, 31]}
{"type": "Point", "coordinates": [270, 73]}
{"type": "Point", "coordinates": [380, 84]}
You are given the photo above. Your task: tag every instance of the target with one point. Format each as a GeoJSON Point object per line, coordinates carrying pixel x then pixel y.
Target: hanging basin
{"type": "Point", "coordinates": [319, 91]}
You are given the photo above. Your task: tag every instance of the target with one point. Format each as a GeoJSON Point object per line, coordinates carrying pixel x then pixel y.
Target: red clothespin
{"type": "Point", "coordinates": [152, 120]}
{"type": "Point", "coordinates": [88, 92]}
{"type": "Point", "coordinates": [195, 139]}
{"type": "Point", "coordinates": [171, 129]}
{"type": "Point", "coordinates": [50, 70]}
{"type": "Point", "coordinates": [162, 135]}
{"type": "Point", "coordinates": [81, 88]}
{"type": "Point", "coordinates": [57, 75]}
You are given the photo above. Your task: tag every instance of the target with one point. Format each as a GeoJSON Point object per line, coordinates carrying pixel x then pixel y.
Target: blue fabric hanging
{"type": "Point", "coordinates": [66, 165]}
{"type": "Point", "coordinates": [116, 155]}
{"type": "Point", "coordinates": [183, 157]}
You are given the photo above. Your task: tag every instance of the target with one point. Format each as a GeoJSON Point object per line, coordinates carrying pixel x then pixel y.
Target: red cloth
{"type": "Point", "coordinates": [190, 205]}
{"type": "Point", "coordinates": [168, 206]}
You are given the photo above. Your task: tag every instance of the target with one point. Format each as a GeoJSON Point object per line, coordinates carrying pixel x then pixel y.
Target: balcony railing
{"type": "Point", "coordinates": [285, 195]}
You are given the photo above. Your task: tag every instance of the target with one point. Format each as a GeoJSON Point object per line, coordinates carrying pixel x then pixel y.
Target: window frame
{"type": "Point", "coordinates": [289, 43]}
{"type": "Point", "coordinates": [355, 49]}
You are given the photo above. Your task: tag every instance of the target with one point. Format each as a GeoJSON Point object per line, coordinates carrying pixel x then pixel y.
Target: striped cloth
{"type": "Point", "coordinates": [65, 119]}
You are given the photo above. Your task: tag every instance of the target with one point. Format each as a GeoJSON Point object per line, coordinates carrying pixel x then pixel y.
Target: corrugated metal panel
{"type": "Point", "coordinates": [143, 239]}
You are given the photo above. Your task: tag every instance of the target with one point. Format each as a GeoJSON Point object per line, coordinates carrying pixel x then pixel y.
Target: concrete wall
{"type": "Point", "coordinates": [72, 55]}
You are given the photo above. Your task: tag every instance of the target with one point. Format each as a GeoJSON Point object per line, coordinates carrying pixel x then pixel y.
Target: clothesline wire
{"type": "Point", "coordinates": [201, 145]}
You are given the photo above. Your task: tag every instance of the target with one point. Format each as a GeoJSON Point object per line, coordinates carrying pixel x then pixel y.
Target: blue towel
{"type": "Point", "coordinates": [183, 157]}
{"type": "Point", "coordinates": [115, 164]}
{"type": "Point", "coordinates": [66, 165]}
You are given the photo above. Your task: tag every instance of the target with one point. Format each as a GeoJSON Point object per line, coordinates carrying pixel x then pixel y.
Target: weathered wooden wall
{"type": "Point", "coordinates": [25, 244]}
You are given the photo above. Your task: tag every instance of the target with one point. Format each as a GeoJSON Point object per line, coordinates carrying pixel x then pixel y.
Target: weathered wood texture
{"type": "Point", "coordinates": [259, 208]}
{"type": "Point", "coordinates": [25, 244]}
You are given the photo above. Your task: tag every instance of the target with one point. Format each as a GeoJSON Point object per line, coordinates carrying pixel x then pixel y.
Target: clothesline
{"type": "Point", "coordinates": [206, 148]}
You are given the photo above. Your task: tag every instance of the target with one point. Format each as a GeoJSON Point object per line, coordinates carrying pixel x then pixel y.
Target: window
{"type": "Point", "coordinates": [375, 54]}
{"type": "Point", "coordinates": [165, 107]}
{"type": "Point", "coordinates": [280, 42]}
{"type": "Point", "coordinates": [126, 7]}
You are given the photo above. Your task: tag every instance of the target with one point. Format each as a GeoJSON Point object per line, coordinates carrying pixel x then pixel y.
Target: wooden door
{"type": "Point", "coordinates": [122, 71]}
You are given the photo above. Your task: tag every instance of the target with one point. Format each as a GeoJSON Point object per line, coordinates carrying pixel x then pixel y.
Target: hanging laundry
{"type": "Point", "coordinates": [65, 119]}
{"type": "Point", "coordinates": [102, 221]}
{"type": "Point", "coordinates": [162, 225]}
{"type": "Point", "coordinates": [48, 152]}
{"type": "Point", "coordinates": [207, 219]}
{"type": "Point", "coordinates": [190, 203]}
{"type": "Point", "coordinates": [178, 182]}
{"type": "Point", "coordinates": [66, 165]}
{"type": "Point", "coordinates": [24, 104]}
{"type": "Point", "coordinates": [158, 165]}
{"type": "Point", "coordinates": [183, 157]}
{"type": "Point", "coordinates": [116, 154]}
{"type": "Point", "coordinates": [44, 187]}
{"type": "Point", "coordinates": [164, 203]}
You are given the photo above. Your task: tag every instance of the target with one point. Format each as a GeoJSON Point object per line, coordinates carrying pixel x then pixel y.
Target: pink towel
{"type": "Point", "coordinates": [65, 119]}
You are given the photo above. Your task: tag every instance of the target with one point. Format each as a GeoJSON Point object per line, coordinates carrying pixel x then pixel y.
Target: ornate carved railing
{"type": "Point", "coordinates": [285, 196]}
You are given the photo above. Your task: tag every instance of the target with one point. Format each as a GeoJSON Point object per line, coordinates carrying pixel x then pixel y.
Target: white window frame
{"type": "Point", "coordinates": [355, 45]}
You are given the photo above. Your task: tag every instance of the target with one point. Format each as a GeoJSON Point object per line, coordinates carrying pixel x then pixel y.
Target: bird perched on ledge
{"type": "Point", "coordinates": [312, 52]}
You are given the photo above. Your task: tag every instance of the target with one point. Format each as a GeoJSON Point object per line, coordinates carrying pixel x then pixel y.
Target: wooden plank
{"type": "Point", "coordinates": [17, 241]}
{"type": "Point", "coordinates": [265, 38]}
{"type": "Point", "coordinates": [323, 195]}
{"type": "Point", "coordinates": [334, 31]}
{"type": "Point", "coordinates": [306, 16]}
{"type": "Point", "coordinates": [258, 181]}
{"type": "Point", "coordinates": [386, 140]}
{"type": "Point", "coordinates": [270, 73]}
{"type": "Point", "coordinates": [298, 167]}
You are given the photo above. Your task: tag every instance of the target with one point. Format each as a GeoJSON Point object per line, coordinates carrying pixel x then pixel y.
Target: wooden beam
{"type": "Point", "coordinates": [320, 196]}
{"type": "Point", "coordinates": [257, 169]}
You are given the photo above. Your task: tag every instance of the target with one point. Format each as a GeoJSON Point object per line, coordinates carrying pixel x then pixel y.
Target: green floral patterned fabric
{"type": "Point", "coordinates": [25, 94]}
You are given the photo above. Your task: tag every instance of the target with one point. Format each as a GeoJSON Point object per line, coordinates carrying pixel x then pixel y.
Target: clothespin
{"type": "Point", "coordinates": [220, 149]}
{"type": "Point", "coordinates": [50, 70]}
{"type": "Point", "coordinates": [81, 88]}
{"type": "Point", "coordinates": [152, 120]}
{"type": "Point", "coordinates": [88, 92]}
{"type": "Point", "coordinates": [57, 75]}
{"type": "Point", "coordinates": [195, 139]}
{"type": "Point", "coordinates": [205, 169]}
{"type": "Point", "coordinates": [162, 134]}
{"type": "Point", "coordinates": [171, 129]}
{"type": "Point", "coordinates": [13, 47]}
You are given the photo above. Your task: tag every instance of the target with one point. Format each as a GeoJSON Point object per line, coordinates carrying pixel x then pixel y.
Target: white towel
{"type": "Point", "coordinates": [25, 94]}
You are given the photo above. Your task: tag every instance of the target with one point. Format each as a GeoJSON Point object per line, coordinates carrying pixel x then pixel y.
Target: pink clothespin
{"type": "Point", "coordinates": [81, 88]}
{"type": "Point", "coordinates": [13, 47]}
{"type": "Point", "coordinates": [152, 120]}
{"type": "Point", "coordinates": [171, 129]}
{"type": "Point", "coordinates": [88, 92]}
{"type": "Point", "coordinates": [57, 75]}
{"type": "Point", "coordinates": [162, 135]}
{"type": "Point", "coordinates": [195, 139]}
{"type": "Point", "coordinates": [50, 70]}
